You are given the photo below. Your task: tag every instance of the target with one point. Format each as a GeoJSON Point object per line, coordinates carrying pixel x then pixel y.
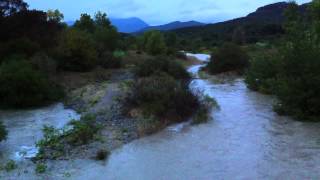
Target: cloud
{"type": "Point", "coordinates": [156, 11]}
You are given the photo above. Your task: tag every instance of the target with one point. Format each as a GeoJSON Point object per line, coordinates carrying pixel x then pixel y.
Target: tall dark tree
{"type": "Point", "coordinates": [101, 20]}
{"type": "Point", "coordinates": [86, 23]}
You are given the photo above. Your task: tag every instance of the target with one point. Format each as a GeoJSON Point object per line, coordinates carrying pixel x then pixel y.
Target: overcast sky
{"type": "Point", "coordinates": [156, 12]}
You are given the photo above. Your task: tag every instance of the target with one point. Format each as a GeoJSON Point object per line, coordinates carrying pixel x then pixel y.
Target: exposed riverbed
{"type": "Point", "coordinates": [244, 140]}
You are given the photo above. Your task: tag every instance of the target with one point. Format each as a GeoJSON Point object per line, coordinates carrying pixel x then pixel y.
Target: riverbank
{"type": "Point", "coordinates": [106, 100]}
{"type": "Point", "coordinates": [103, 96]}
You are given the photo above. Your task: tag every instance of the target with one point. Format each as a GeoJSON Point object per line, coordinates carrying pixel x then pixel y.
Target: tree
{"type": "Point", "coordinates": [105, 35]}
{"type": "Point", "coordinates": [299, 78]}
{"type": "Point", "coordinates": [9, 7]}
{"type": "Point", "coordinates": [55, 15]}
{"type": "Point", "coordinates": [101, 20]}
{"type": "Point", "coordinates": [76, 51]}
{"type": "Point", "coordinates": [22, 86]}
{"type": "Point", "coordinates": [86, 23]}
{"type": "Point", "coordinates": [154, 43]}
{"type": "Point", "coordinates": [106, 39]}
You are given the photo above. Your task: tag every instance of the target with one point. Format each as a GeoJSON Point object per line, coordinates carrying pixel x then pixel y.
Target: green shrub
{"type": "Point", "coordinates": [76, 51]}
{"type": "Point", "coordinates": [202, 115]}
{"type": "Point", "coordinates": [3, 132]}
{"type": "Point", "coordinates": [106, 39]}
{"type": "Point", "coordinates": [43, 63]}
{"type": "Point", "coordinates": [161, 64]}
{"type": "Point", "coordinates": [229, 57]}
{"type": "Point", "coordinates": [41, 168]}
{"type": "Point", "coordinates": [262, 74]}
{"type": "Point", "coordinates": [293, 74]}
{"type": "Point", "coordinates": [163, 96]}
{"type": "Point", "coordinates": [22, 86]}
{"type": "Point", "coordinates": [10, 166]}
{"type": "Point", "coordinates": [153, 43]}
{"type": "Point", "coordinates": [299, 80]}
{"type": "Point", "coordinates": [22, 46]}
{"type": "Point", "coordinates": [109, 61]}
{"type": "Point", "coordinates": [53, 144]}
{"type": "Point", "coordinates": [83, 130]}
{"type": "Point", "coordinates": [51, 139]}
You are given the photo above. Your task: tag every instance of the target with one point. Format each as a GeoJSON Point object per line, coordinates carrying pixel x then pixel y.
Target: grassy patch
{"type": "Point", "coordinates": [41, 168]}
{"type": "Point", "coordinates": [10, 166]}
{"type": "Point", "coordinates": [55, 140]}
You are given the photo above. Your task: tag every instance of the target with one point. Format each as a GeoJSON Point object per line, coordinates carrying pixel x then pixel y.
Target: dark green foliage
{"type": "Point", "coordinates": [41, 168]}
{"type": "Point", "coordinates": [106, 36]}
{"type": "Point", "coordinates": [229, 57]}
{"type": "Point", "coordinates": [85, 23]}
{"type": "Point", "coordinates": [109, 61]}
{"type": "Point", "coordinates": [202, 114]}
{"type": "Point", "coordinates": [57, 141]}
{"type": "Point", "coordinates": [22, 86]}
{"type": "Point", "coordinates": [261, 75]}
{"type": "Point", "coordinates": [294, 72]}
{"type": "Point", "coordinates": [30, 28]}
{"type": "Point", "coordinates": [153, 43]}
{"type": "Point", "coordinates": [299, 80]}
{"type": "Point", "coordinates": [3, 132]}
{"type": "Point", "coordinates": [43, 63]}
{"type": "Point", "coordinates": [161, 64]}
{"type": "Point", "coordinates": [106, 39]}
{"type": "Point", "coordinates": [163, 96]}
{"type": "Point", "coordinates": [83, 131]}
{"type": "Point", "coordinates": [21, 46]}
{"type": "Point", "coordinates": [51, 139]}
{"type": "Point", "coordinates": [10, 166]}
{"type": "Point", "coordinates": [76, 51]}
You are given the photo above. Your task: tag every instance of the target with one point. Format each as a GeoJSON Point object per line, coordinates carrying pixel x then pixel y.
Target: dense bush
{"type": "Point", "coordinates": [294, 73]}
{"type": "Point", "coordinates": [82, 131]}
{"type": "Point", "coordinates": [299, 80]}
{"type": "Point", "coordinates": [262, 74]}
{"type": "Point", "coordinates": [43, 63]}
{"type": "Point", "coordinates": [22, 46]}
{"type": "Point", "coordinates": [3, 132]}
{"type": "Point", "coordinates": [76, 51]}
{"type": "Point", "coordinates": [22, 86]}
{"type": "Point", "coordinates": [229, 57]}
{"type": "Point", "coordinates": [163, 96]}
{"type": "Point", "coordinates": [153, 43]}
{"type": "Point", "coordinates": [109, 60]}
{"type": "Point", "coordinates": [161, 64]}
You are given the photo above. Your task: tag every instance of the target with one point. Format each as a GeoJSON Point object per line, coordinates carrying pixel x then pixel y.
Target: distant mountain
{"type": "Point", "coordinates": [173, 25]}
{"type": "Point", "coordinates": [129, 25]}
{"type": "Point", "coordinates": [265, 23]}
